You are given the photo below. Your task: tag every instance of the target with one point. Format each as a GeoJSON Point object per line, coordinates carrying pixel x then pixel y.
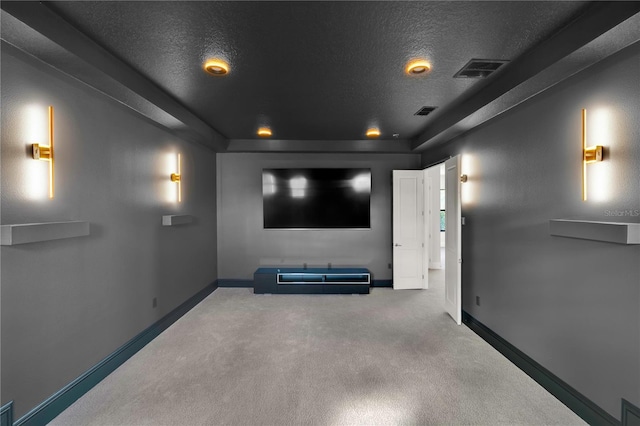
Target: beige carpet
{"type": "Point", "coordinates": [388, 358]}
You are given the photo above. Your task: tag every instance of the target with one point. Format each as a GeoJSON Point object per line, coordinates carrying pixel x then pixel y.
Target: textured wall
{"type": "Point", "coordinates": [243, 244]}
{"type": "Point", "coordinates": [67, 304]}
{"type": "Point", "coordinates": [572, 305]}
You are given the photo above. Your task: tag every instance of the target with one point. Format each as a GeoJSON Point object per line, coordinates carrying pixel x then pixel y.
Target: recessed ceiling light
{"type": "Point", "coordinates": [373, 132]}
{"type": "Point", "coordinates": [264, 132]}
{"type": "Point", "coordinates": [216, 67]}
{"type": "Point", "coordinates": [418, 67]}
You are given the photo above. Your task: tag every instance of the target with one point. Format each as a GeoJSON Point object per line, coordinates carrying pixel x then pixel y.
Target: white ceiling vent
{"type": "Point", "coordinates": [479, 68]}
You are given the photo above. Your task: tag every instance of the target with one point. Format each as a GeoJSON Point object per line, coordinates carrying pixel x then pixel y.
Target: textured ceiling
{"type": "Point", "coordinates": [318, 73]}
{"type": "Point", "coordinates": [314, 70]}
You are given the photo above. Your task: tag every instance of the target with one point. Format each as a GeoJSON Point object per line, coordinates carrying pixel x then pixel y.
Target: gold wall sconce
{"type": "Point", "coordinates": [177, 178]}
{"type": "Point", "coordinates": [46, 153]}
{"type": "Point", "coordinates": [589, 154]}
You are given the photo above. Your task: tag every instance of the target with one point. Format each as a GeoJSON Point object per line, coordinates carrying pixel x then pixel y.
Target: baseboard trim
{"type": "Point", "coordinates": [59, 401]}
{"type": "Point", "coordinates": [6, 414]}
{"type": "Point", "coordinates": [577, 402]}
{"type": "Point", "coordinates": [382, 283]}
{"type": "Point", "coordinates": [630, 414]}
{"type": "Point", "coordinates": [232, 282]}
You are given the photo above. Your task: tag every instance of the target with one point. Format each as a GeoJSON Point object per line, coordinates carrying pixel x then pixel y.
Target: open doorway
{"type": "Point", "coordinates": [434, 228]}
{"type": "Point", "coordinates": [435, 225]}
{"type": "Point", "coordinates": [443, 233]}
{"type": "Point", "coordinates": [418, 228]}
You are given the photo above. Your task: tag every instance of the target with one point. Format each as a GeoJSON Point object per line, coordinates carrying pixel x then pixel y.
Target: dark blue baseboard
{"type": "Point", "coordinates": [58, 402]}
{"type": "Point", "coordinates": [577, 402]}
{"type": "Point", "coordinates": [6, 414]}
{"type": "Point", "coordinates": [382, 283]}
{"type": "Point", "coordinates": [231, 282]}
{"type": "Point", "coordinates": [630, 414]}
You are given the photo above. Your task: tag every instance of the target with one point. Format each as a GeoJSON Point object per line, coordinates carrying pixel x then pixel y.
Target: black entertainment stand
{"type": "Point", "coordinates": [311, 281]}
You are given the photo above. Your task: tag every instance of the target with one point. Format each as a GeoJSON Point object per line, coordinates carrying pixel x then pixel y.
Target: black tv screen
{"type": "Point", "coordinates": [316, 198]}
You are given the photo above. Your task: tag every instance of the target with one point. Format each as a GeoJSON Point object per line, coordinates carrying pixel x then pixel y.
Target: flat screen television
{"type": "Point", "coordinates": [316, 198]}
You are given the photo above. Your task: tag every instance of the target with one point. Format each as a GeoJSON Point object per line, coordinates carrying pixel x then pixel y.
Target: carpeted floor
{"type": "Point", "coordinates": [387, 358]}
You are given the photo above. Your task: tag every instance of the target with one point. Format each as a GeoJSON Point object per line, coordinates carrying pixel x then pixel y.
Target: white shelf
{"type": "Point", "coordinates": [36, 232]}
{"type": "Point", "coordinates": [611, 232]}
{"type": "Point", "coordinates": [175, 219]}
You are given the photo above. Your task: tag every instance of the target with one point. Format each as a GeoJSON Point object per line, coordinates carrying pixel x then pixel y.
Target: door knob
{"type": "Point", "coordinates": [397, 245]}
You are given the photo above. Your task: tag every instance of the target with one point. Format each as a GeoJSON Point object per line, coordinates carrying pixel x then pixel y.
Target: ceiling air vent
{"type": "Point", "coordinates": [479, 68]}
{"type": "Point", "coordinates": [425, 110]}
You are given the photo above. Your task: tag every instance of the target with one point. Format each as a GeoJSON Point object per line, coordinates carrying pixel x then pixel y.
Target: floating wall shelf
{"type": "Point", "coordinates": [172, 220]}
{"type": "Point", "coordinates": [36, 232]}
{"type": "Point", "coordinates": [610, 232]}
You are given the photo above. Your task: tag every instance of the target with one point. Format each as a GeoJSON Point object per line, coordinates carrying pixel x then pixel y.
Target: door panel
{"type": "Point", "coordinates": [453, 241]}
{"type": "Point", "coordinates": [408, 229]}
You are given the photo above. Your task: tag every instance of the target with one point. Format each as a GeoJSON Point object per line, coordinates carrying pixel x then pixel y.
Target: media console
{"type": "Point", "coordinates": [311, 281]}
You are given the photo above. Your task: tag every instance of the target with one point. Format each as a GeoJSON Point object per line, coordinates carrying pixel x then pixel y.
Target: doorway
{"type": "Point", "coordinates": [443, 232]}
{"type": "Point", "coordinates": [435, 227]}
{"type": "Point", "coordinates": [418, 226]}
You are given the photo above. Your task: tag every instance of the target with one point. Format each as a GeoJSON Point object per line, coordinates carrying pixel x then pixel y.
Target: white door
{"type": "Point", "coordinates": [408, 225]}
{"type": "Point", "coordinates": [453, 241]}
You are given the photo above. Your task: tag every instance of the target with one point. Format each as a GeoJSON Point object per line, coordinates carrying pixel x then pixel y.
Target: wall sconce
{"type": "Point", "coordinates": [177, 177]}
{"type": "Point", "coordinates": [589, 154]}
{"type": "Point", "coordinates": [45, 153]}
{"type": "Point", "coordinates": [464, 178]}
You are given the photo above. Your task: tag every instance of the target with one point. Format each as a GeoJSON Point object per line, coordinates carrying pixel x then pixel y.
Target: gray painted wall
{"type": "Point", "coordinates": [243, 244]}
{"type": "Point", "coordinates": [572, 305]}
{"type": "Point", "coordinates": [67, 304]}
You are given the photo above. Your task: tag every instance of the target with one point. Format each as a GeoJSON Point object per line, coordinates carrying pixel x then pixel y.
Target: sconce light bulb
{"type": "Point", "coordinates": [589, 154]}
{"type": "Point", "coordinates": [45, 153]}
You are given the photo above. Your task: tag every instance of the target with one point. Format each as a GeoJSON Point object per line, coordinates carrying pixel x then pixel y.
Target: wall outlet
{"type": "Point", "coordinates": [478, 300]}
{"type": "Point", "coordinates": [155, 302]}
{"type": "Point", "coordinates": [304, 266]}
{"type": "Point", "coordinates": [329, 265]}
